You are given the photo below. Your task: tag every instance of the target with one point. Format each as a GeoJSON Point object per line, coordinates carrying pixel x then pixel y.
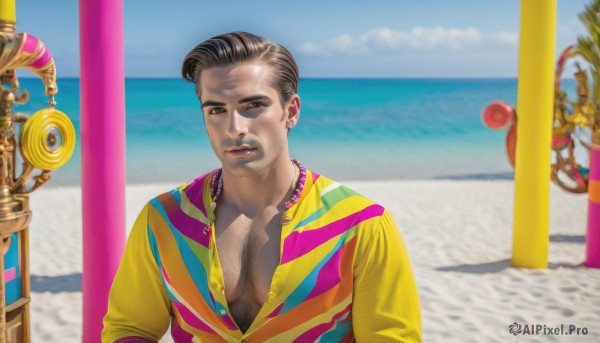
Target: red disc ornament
{"type": "Point", "coordinates": [497, 115]}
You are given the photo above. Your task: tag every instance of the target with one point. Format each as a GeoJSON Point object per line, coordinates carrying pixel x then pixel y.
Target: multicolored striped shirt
{"type": "Point", "coordinates": [344, 274]}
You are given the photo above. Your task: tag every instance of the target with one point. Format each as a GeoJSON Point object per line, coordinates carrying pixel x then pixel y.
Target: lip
{"type": "Point", "coordinates": [240, 149]}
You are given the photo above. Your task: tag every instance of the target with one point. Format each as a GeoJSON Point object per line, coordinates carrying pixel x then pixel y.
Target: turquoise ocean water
{"type": "Point", "coordinates": [349, 129]}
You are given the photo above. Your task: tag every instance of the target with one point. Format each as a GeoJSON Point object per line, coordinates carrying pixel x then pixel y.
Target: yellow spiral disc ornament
{"type": "Point", "coordinates": [47, 139]}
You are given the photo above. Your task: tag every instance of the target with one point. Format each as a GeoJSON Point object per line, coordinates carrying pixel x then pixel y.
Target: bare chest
{"type": "Point", "coordinates": [248, 251]}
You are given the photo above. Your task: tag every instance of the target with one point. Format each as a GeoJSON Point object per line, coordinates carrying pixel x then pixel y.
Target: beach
{"type": "Point", "coordinates": [458, 234]}
{"type": "Point", "coordinates": [416, 146]}
{"type": "Point", "coordinates": [392, 100]}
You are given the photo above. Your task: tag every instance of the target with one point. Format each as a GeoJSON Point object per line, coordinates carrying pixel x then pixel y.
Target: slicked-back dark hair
{"type": "Point", "coordinates": [236, 47]}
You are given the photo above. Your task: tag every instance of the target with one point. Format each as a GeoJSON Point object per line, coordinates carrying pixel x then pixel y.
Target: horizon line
{"type": "Point", "coordinates": [329, 77]}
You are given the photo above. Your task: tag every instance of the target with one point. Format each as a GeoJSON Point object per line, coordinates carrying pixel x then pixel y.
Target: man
{"type": "Point", "coordinates": [260, 249]}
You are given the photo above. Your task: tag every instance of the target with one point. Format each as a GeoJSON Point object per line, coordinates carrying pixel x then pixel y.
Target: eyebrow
{"type": "Point", "coordinates": [254, 98]}
{"type": "Point", "coordinates": [210, 103]}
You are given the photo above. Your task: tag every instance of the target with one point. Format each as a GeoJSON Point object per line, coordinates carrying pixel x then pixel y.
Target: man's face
{"type": "Point", "coordinates": [246, 122]}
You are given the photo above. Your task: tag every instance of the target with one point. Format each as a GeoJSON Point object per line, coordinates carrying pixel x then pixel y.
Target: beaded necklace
{"type": "Point", "coordinates": [218, 180]}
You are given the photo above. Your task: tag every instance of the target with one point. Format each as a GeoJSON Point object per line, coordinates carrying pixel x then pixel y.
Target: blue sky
{"type": "Point", "coordinates": [388, 38]}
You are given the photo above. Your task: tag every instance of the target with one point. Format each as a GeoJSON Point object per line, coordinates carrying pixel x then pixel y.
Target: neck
{"type": "Point", "coordinates": [270, 188]}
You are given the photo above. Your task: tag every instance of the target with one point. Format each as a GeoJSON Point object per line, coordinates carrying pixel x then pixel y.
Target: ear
{"type": "Point", "coordinates": [292, 111]}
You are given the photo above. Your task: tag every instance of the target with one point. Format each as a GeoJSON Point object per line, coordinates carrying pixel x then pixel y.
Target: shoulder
{"type": "Point", "coordinates": [188, 199]}
{"type": "Point", "coordinates": [344, 202]}
{"type": "Point", "coordinates": [349, 211]}
{"type": "Point", "coordinates": [192, 190]}
{"type": "Point", "coordinates": [332, 193]}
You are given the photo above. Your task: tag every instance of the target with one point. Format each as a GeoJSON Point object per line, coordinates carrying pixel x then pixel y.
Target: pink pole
{"type": "Point", "coordinates": [103, 154]}
{"type": "Point", "coordinates": [592, 239]}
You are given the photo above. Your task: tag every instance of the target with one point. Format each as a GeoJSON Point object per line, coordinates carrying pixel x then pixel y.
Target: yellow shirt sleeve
{"type": "Point", "coordinates": [138, 305]}
{"type": "Point", "coordinates": [386, 303]}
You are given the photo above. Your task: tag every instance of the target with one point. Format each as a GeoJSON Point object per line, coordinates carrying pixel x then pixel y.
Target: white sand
{"type": "Point", "coordinates": [459, 236]}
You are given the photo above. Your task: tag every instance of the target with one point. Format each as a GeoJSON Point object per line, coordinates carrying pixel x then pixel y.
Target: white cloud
{"type": "Point", "coordinates": [504, 38]}
{"type": "Point", "coordinates": [417, 39]}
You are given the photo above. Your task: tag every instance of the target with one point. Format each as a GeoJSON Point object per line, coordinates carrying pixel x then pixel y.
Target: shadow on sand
{"type": "Point", "coordinates": [567, 238]}
{"type": "Point", "coordinates": [483, 268]}
{"type": "Point", "coordinates": [56, 284]}
{"type": "Point", "coordinates": [489, 176]}
{"type": "Point", "coordinates": [498, 266]}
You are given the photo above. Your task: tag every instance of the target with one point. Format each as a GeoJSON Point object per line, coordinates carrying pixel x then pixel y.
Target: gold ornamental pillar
{"type": "Point", "coordinates": [46, 141]}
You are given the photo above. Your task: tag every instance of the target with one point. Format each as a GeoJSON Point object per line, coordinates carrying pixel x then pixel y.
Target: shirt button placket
{"type": "Point", "coordinates": [271, 297]}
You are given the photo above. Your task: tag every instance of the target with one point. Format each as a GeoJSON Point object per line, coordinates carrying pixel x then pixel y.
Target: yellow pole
{"type": "Point", "coordinates": [534, 131]}
{"type": "Point", "coordinates": [7, 10]}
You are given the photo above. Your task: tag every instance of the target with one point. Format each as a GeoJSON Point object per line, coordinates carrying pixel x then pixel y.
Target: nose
{"type": "Point", "coordinates": [237, 125]}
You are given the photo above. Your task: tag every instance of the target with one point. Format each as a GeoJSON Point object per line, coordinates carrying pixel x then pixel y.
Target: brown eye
{"type": "Point", "coordinates": [216, 110]}
{"type": "Point", "coordinates": [255, 104]}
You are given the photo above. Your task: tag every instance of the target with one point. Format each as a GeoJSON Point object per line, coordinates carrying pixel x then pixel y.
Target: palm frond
{"type": "Point", "coordinates": [588, 44]}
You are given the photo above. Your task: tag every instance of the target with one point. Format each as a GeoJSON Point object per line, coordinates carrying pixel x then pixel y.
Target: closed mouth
{"type": "Point", "coordinates": [240, 148]}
